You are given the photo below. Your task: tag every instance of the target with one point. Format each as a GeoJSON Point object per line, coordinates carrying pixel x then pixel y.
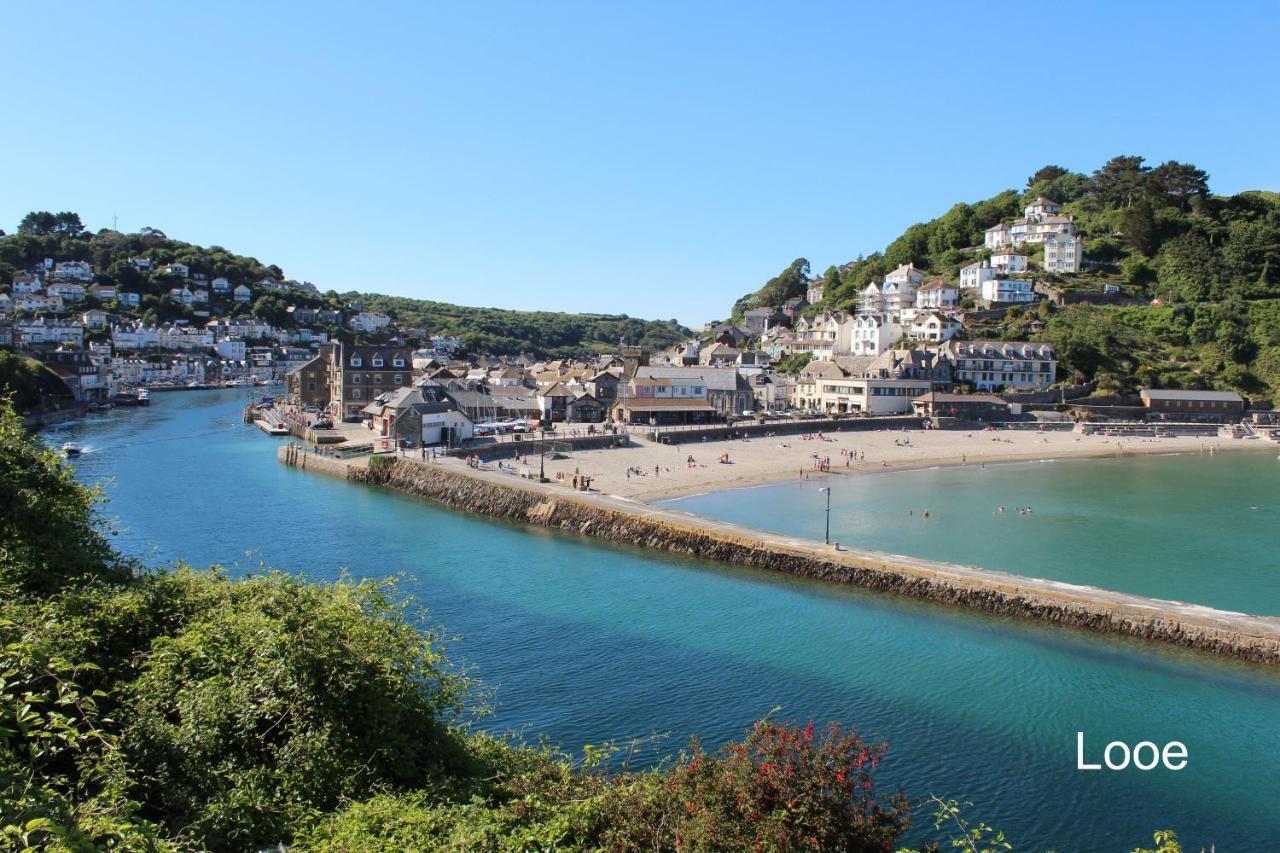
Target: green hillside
{"type": "Point", "coordinates": [1212, 262]}
{"type": "Point", "coordinates": [63, 237]}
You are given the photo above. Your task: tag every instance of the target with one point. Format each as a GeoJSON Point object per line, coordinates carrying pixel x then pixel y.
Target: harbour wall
{"type": "Point", "coordinates": [1249, 638]}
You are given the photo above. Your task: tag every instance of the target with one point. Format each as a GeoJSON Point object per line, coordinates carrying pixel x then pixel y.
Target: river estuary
{"type": "Point", "coordinates": [583, 642]}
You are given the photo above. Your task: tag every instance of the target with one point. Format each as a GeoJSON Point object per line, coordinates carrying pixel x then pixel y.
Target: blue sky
{"type": "Point", "coordinates": [653, 159]}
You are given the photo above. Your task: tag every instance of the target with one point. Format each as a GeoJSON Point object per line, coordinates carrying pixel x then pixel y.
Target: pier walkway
{"type": "Point", "coordinates": [1255, 638]}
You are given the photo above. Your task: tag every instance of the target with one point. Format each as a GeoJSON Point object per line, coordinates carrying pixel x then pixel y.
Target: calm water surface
{"type": "Point", "coordinates": [585, 642]}
{"type": "Point", "coordinates": [1198, 528]}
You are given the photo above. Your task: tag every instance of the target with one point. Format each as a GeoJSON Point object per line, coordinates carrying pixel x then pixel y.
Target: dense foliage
{"type": "Point", "coordinates": [62, 237]}
{"type": "Point", "coordinates": [185, 709]}
{"type": "Point", "coordinates": [28, 382]}
{"type": "Point", "coordinates": [542, 333]}
{"type": "Point", "coordinates": [1202, 272]}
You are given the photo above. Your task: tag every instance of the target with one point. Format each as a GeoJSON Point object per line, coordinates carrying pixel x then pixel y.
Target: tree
{"type": "Point", "coordinates": [44, 223]}
{"type": "Point", "coordinates": [1046, 173]}
{"type": "Point", "coordinates": [1140, 227]}
{"type": "Point", "coordinates": [1178, 182]}
{"type": "Point", "coordinates": [1121, 180]}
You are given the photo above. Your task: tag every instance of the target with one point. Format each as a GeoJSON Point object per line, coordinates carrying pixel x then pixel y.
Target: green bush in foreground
{"type": "Point", "coordinates": [185, 710]}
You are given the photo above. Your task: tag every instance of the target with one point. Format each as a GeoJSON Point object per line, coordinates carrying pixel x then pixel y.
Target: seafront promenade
{"type": "Point", "coordinates": [622, 519]}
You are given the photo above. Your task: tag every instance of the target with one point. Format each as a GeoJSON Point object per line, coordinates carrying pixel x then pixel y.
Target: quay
{"type": "Point", "coordinates": [503, 495]}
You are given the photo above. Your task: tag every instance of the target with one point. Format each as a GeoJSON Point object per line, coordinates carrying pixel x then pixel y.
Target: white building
{"type": "Point", "coordinates": [871, 301]}
{"type": "Point", "coordinates": [1063, 253]}
{"type": "Point", "coordinates": [987, 365]}
{"type": "Point", "coordinates": [46, 330]}
{"type": "Point", "coordinates": [1007, 290]}
{"type": "Point", "coordinates": [872, 334]}
{"type": "Point", "coordinates": [996, 236]}
{"type": "Point", "coordinates": [178, 269]}
{"type": "Point", "coordinates": [134, 336]}
{"type": "Point", "coordinates": [937, 295]}
{"type": "Point", "coordinates": [32, 302]}
{"type": "Point", "coordinates": [182, 295]}
{"type": "Point", "coordinates": [369, 321]}
{"type": "Point", "coordinates": [103, 292]}
{"type": "Point", "coordinates": [231, 348]}
{"type": "Point", "coordinates": [220, 284]}
{"type": "Point", "coordinates": [1008, 260]}
{"type": "Point", "coordinates": [68, 291]}
{"type": "Point", "coordinates": [242, 293]}
{"type": "Point", "coordinates": [976, 274]}
{"type": "Point", "coordinates": [73, 271]}
{"type": "Point", "coordinates": [26, 283]}
{"type": "Point", "coordinates": [933, 328]}
{"type": "Point", "coordinates": [127, 299]}
{"type": "Point", "coordinates": [95, 319]}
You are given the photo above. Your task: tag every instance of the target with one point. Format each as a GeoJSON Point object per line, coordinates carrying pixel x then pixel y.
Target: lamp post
{"type": "Point", "coordinates": [542, 455]}
{"type": "Point", "coordinates": [826, 536]}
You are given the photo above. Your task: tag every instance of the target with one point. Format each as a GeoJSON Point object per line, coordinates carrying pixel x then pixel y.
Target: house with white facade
{"type": "Point", "coordinates": [1063, 253]}
{"type": "Point", "coordinates": [26, 283]}
{"type": "Point", "coordinates": [32, 302]}
{"type": "Point", "coordinates": [933, 328]}
{"type": "Point", "coordinates": [141, 264]}
{"type": "Point", "coordinates": [220, 284]}
{"type": "Point", "coordinates": [1017, 365]}
{"type": "Point", "coordinates": [996, 236]}
{"type": "Point", "coordinates": [47, 330]}
{"type": "Point", "coordinates": [937, 295]}
{"type": "Point", "coordinates": [182, 295]}
{"type": "Point", "coordinates": [134, 336]}
{"type": "Point", "coordinates": [872, 334]}
{"type": "Point", "coordinates": [73, 271]}
{"type": "Point", "coordinates": [369, 321]}
{"type": "Point", "coordinates": [128, 299]}
{"type": "Point", "coordinates": [1005, 291]}
{"type": "Point", "coordinates": [1008, 260]}
{"type": "Point", "coordinates": [103, 292]}
{"type": "Point", "coordinates": [231, 348]}
{"type": "Point", "coordinates": [871, 300]}
{"type": "Point", "coordinates": [973, 276]}
{"type": "Point", "coordinates": [69, 291]}
{"type": "Point", "coordinates": [95, 319]}
{"type": "Point", "coordinates": [242, 293]}
{"type": "Point", "coordinates": [175, 268]}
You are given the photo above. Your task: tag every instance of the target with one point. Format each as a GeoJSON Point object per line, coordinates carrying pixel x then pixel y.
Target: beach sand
{"type": "Point", "coordinates": [762, 460]}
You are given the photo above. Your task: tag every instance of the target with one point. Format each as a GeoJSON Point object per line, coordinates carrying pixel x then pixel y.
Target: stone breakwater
{"type": "Point", "coordinates": [1250, 638]}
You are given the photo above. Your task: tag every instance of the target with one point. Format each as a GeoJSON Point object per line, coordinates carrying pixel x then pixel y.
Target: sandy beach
{"type": "Point", "coordinates": [648, 471]}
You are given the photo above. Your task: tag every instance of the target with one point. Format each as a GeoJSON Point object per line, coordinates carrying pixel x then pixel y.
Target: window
{"type": "Point", "coordinates": [355, 394]}
{"type": "Point", "coordinates": [311, 386]}
{"type": "Point", "coordinates": [399, 379]}
{"type": "Point", "coordinates": [377, 379]}
{"type": "Point", "coordinates": [398, 362]}
{"type": "Point", "coordinates": [355, 379]}
{"type": "Point", "coordinates": [355, 361]}
{"type": "Point", "coordinates": [377, 362]}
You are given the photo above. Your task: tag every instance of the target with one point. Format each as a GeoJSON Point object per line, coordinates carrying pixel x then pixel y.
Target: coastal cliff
{"type": "Point", "coordinates": [1255, 639]}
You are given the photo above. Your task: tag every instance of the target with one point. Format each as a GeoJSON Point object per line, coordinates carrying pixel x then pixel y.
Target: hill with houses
{"type": "Point", "coordinates": [1138, 276]}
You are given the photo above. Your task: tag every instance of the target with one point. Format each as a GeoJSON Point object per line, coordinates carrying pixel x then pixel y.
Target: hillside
{"type": "Point", "coordinates": [63, 237]}
{"type": "Point", "coordinates": [1211, 262]}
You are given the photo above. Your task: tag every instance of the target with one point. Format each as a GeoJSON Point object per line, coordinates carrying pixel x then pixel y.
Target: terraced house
{"type": "Point", "coordinates": [1015, 365]}
{"type": "Point", "coordinates": [358, 374]}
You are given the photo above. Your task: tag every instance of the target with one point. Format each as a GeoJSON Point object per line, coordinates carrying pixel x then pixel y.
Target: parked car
{"type": "Point", "coordinates": [482, 430]}
{"type": "Point", "coordinates": [322, 423]}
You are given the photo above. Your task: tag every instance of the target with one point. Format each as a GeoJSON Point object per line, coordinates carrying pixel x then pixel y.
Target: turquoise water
{"type": "Point", "coordinates": [1192, 528]}
{"type": "Point", "coordinates": [585, 642]}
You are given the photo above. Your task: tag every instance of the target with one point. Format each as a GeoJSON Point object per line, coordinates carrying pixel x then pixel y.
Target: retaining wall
{"type": "Point", "coordinates": [1235, 635]}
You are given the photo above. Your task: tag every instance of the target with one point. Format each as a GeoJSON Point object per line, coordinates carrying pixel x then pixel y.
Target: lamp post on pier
{"type": "Point", "coordinates": [826, 536]}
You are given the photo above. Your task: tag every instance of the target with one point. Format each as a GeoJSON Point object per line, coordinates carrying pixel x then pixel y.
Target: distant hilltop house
{"type": "Point", "coordinates": [1041, 219]}
{"type": "Point", "coordinates": [369, 321]}
{"type": "Point", "coordinates": [220, 284]}
{"type": "Point", "coordinates": [178, 269]}
{"type": "Point", "coordinates": [26, 283]}
{"type": "Point", "coordinates": [242, 293]}
{"type": "Point", "coordinates": [1008, 291]}
{"type": "Point", "coordinates": [68, 291]}
{"type": "Point", "coordinates": [73, 271]}
{"type": "Point", "coordinates": [1063, 253]}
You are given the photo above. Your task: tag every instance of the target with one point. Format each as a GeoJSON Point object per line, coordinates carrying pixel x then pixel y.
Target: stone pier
{"type": "Point", "coordinates": [1250, 638]}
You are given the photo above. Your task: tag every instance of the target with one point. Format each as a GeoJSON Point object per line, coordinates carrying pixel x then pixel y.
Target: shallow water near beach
{"type": "Point", "coordinates": [1195, 528]}
{"type": "Point", "coordinates": [585, 641]}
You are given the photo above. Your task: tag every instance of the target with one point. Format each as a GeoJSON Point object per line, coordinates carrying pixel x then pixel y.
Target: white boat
{"type": "Point", "coordinates": [70, 448]}
{"type": "Point", "coordinates": [144, 397]}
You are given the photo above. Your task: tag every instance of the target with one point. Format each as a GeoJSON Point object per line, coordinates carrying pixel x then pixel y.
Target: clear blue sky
{"type": "Point", "coordinates": [647, 158]}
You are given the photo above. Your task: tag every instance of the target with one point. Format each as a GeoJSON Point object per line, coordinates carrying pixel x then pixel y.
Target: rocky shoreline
{"type": "Point", "coordinates": [1249, 638]}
